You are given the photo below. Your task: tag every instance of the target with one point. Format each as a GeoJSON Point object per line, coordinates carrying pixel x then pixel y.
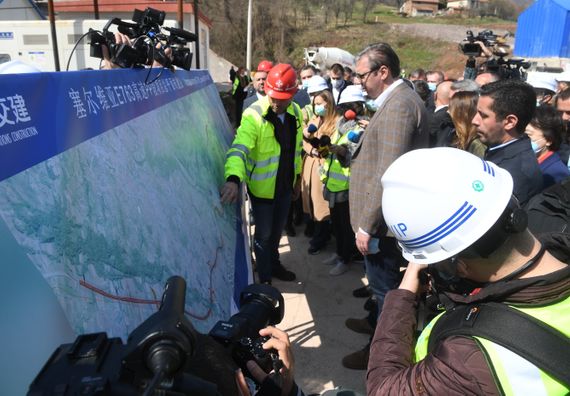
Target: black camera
{"type": "Point", "coordinates": [261, 305]}
{"type": "Point", "coordinates": [322, 144]}
{"type": "Point", "coordinates": [508, 68]}
{"type": "Point", "coordinates": [469, 46]}
{"type": "Point", "coordinates": [162, 355]}
{"type": "Point", "coordinates": [150, 41]}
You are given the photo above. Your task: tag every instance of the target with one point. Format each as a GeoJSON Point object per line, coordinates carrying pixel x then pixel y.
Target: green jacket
{"type": "Point", "coordinates": [254, 154]}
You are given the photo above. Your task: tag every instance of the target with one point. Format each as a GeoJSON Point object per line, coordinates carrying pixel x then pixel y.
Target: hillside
{"type": "Point", "coordinates": [427, 42]}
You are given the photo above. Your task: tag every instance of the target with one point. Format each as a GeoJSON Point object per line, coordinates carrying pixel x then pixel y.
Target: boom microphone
{"type": "Point", "coordinates": [185, 34]}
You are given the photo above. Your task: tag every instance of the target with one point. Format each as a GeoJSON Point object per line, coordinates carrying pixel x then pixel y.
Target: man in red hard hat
{"type": "Point", "coordinates": [266, 155]}
{"type": "Point", "coordinates": [265, 66]}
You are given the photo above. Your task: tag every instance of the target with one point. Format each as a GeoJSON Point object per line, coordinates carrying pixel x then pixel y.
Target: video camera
{"type": "Point", "coordinates": [469, 46]}
{"type": "Point", "coordinates": [508, 68]}
{"type": "Point", "coordinates": [150, 40]}
{"type": "Point", "coordinates": [160, 354]}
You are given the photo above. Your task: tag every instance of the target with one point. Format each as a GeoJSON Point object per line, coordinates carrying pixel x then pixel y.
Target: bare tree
{"type": "Point", "coordinates": [367, 7]}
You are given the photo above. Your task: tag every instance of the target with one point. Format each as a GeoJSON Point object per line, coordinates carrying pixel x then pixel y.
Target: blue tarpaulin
{"type": "Point", "coordinates": [543, 30]}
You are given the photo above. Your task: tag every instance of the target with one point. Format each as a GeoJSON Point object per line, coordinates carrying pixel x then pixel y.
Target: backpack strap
{"type": "Point", "coordinates": [530, 338]}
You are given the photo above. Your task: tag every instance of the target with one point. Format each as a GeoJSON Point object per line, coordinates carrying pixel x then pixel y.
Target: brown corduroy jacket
{"type": "Point", "coordinates": [398, 126]}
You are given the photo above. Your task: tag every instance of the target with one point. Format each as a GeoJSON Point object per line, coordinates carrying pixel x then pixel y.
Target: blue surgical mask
{"type": "Point", "coordinates": [371, 105]}
{"type": "Point", "coordinates": [432, 86]}
{"type": "Point", "coordinates": [336, 83]}
{"type": "Point", "coordinates": [320, 110]}
{"type": "Point", "coordinates": [535, 147]}
{"type": "Point", "coordinates": [306, 83]}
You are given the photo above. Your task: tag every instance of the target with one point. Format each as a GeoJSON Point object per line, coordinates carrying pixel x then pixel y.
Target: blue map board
{"type": "Point", "coordinates": [109, 186]}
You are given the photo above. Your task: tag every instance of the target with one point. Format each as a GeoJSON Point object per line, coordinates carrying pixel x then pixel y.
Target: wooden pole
{"type": "Point", "coordinates": [197, 33]}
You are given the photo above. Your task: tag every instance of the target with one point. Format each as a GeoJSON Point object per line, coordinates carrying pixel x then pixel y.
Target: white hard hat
{"type": "Point", "coordinates": [542, 80]}
{"type": "Point", "coordinates": [17, 67]}
{"type": "Point", "coordinates": [317, 84]}
{"type": "Point", "coordinates": [563, 77]}
{"type": "Point", "coordinates": [437, 202]}
{"type": "Point", "coordinates": [352, 93]}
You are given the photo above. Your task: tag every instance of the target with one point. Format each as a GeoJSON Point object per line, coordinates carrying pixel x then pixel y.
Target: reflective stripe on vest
{"type": "Point", "coordinates": [335, 176]}
{"type": "Point", "coordinates": [261, 162]}
{"type": "Point", "coordinates": [516, 375]}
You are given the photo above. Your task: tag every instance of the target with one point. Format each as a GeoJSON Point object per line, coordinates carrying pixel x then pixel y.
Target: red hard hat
{"type": "Point", "coordinates": [281, 82]}
{"type": "Point", "coordinates": [265, 66]}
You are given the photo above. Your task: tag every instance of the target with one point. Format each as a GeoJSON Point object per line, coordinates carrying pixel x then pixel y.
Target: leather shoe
{"type": "Point", "coordinates": [359, 325]}
{"type": "Point", "coordinates": [357, 360]}
{"type": "Point", "coordinates": [283, 274]}
{"type": "Point", "coordinates": [362, 292]}
{"type": "Point", "coordinates": [290, 230]}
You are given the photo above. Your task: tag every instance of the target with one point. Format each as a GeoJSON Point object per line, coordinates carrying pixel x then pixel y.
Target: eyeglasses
{"type": "Point", "coordinates": [364, 75]}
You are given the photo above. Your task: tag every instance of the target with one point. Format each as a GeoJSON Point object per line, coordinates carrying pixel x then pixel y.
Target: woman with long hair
{"type": "Point", "coordinates": [317, 133]}
{"type": "Point", "coordinates": [462, 109]}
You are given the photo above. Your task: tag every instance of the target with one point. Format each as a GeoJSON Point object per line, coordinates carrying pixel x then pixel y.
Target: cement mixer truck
{"type": "Point", "coordinates": [324, 57]}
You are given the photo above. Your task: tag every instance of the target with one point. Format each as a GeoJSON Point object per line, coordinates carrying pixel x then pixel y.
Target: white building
{"type": "Point", "coordinates": [36, 44]}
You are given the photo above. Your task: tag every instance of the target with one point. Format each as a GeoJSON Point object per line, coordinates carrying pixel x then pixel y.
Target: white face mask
{"type": "Point", "coordinates": [336, 83]}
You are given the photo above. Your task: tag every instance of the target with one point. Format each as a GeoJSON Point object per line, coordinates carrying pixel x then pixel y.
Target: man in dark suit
{"type": "Point", "coordinates": [441, 128]}
{"type": "Point", "coordinates": [504, 109]}
{"type": "Point", "coordinates": [399, 125]}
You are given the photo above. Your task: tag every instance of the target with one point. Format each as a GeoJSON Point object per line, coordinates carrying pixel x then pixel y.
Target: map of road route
{"type": "Point", "coordinates": [108, 221]}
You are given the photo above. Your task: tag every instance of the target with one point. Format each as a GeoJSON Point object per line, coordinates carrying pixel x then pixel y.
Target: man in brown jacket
{"type": "Point", "coordinates": [399, 125]}
{"type": "Point", "coordinates": [455, 206]}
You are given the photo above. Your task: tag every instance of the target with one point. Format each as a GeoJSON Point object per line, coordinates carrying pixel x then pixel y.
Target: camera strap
{"type": "Point", "coordinates": [542, 345]}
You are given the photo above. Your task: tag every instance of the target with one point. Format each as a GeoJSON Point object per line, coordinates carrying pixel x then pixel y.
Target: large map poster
{"type": "Point", "coordinates": [109, 186]}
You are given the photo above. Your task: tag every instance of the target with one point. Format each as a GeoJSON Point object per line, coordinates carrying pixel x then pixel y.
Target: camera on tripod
{"type": "Point", "coordinates": [160, 354]}
{"type": "Point", "coordinates": [150, 41]}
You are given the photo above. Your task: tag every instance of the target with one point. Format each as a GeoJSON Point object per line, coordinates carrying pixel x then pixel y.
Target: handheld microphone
{"type": "Point", "coordinates": [354, 136]}
{"type": "Point", "coordinates": [350, 115]}
{"type": "Point", "coordinates": [325, 141]}
{"type": "Point", "coordinates": [312, 128]}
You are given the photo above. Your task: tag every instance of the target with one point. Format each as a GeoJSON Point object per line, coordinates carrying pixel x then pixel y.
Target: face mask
{"type": "Point", "coordinates": [371, 105]}
{"type": "Point", "coordinates": [336, 83]}
{"type": "Point", "coordinates": [306, 83]}
{"type": "Point", "coordinates": [432, 86]}
{"type": "Point", "coordinates": [535, 147]}
{"type": "Point", "coordinates": [320, 110]}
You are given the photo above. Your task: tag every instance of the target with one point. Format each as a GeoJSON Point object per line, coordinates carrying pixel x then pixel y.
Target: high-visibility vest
{"type": "Point", "coordinates": [235, 85]}
{"type": "Point", "coordinates": [516, 375]}
{"type": "Point", "coordinates": [308, 110]}
{"type": "Point", "coordinates": [335, 177]}
{"type": "Point", "coordinates": [254, 154]}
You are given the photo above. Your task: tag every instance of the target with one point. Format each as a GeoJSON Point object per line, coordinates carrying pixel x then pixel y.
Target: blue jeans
{"type": "Point", "coordinates": [383, 271]}
{"type": "Point", "coordinates": [270, 219]}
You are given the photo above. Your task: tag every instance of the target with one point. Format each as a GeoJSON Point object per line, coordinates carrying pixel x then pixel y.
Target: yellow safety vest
{"type": "Point", "coordinates": [516, 375]}
{"type": "Point", "coordinates": [254, 154]}
{"type": "Point", "coordinates": [336, 177]}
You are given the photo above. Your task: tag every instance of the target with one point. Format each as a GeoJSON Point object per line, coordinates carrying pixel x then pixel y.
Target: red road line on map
{"type": "Point", "coordinates": [115, 297]}
{"type": "Point", "coordinates": [135, 300]}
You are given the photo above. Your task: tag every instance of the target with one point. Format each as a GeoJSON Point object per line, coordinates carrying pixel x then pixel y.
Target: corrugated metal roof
{"type": "Point", "coordinates": [110, 6]}
{"type": "Point", "coordinates": [563, 3]}
{"type": "Point", "coordinates": [543, 30]}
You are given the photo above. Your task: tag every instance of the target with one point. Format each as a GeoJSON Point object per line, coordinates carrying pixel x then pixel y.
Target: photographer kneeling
{"type": "Point", "coordinates": [506, 324]}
